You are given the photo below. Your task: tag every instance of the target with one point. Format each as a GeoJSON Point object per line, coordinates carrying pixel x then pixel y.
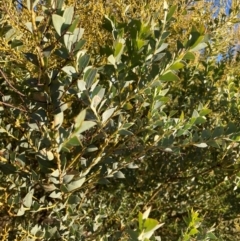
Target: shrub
{"type": "Point", "coordinates": [90, 139]}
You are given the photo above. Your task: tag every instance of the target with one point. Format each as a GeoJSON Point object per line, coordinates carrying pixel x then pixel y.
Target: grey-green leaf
{"type": "Point", "coordinates": [86, 125]}
{"type": "Point", "coordinates": [89, 77]}
{"type": "Point", "coordinates": [76, 184]}
{"type": "Point", "coordinates": [80, 118]}
{"type": "Point", "coordinates": [83, 62]}
{"type": "Point", "coordinates": [58, 22]}
{"type": "Point", "coordinates": [68, 15]}
{"type": "Point", "coordinates": [58, 120]}
{"type": "Point", "coordinates": [119, 174]}
{"type": "Point", "coordinates": [201, 145]}
{"type": "Point", "coordinates": [27, 200]}
{"type": "Point", "coordinates": [107, 114]}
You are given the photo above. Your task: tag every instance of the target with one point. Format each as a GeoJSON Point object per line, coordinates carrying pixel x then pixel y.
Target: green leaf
{"type": "Point", "coordinates": [27, 200]}
{"type": "Point", "coordinates": [199, 47]}
{"type": "Point", "coordinates": [197, 42]}
{"type": "Point", "coordinates": [161, 48]}
{"type": "Point", "coordinates": [177, 66]}
{"type": "Point", "coordinates": [16, 43]}
{"type": "Point", "coordinates": [201, 145]}
{"type": "Point", "coordinates": [140, 43]}
{"type": "Point", "coordinates": [195, 114]}
{"type": "Point", "coordinates": [62, 52]}
{"type": "Point", "coordinates": [73, 25]}
{"type": "Point", "coordinates": [80, 118]}
{"type": "Point", "coordinates": [204, 112]}
{"type": "Point", "coordinates": [96, 100]}
{"type": "Point", "coordinates": [86, 125]}
{"type": "Point", "coordinates": [193, 231]}
{"type": "Point", "coordinates": [181, 132]}
{"type": "Point", "coordinates": [59, 4]}
{"type": "Point", "coordinates": [79, 45]}
{"type": "Point", "coordinates": [171, 12]}
{"type": "Point", "coordinates": [70, 70]}
{"type": "Point", "coordinates": [230, 129]}
{"type": "Point", "coordinates": [58, 120]}
{"type": "Point", "coordinates": [211, 236]}
{"type": "Point", "coordinates": [146, 213]}
{"type": "Point", "coordinates": [127, 125]}
{"type": "Point", "coordinates": [29, 26]}
{"type": "Point", "coordinates": [213, 143]}
{"type": "Point", "coordinates": [58, 22]}
{"type": "Point", "coordinates": [206, 134]}
{"type": "Point", "coordinates": [124, 132]}
{"type": "Point", "coordinates": [4, 130]}
{"type": "Point", "coordinates": [68, 15]}
{"type": "Point", "coordinates": [157, 57]}
{"type": "Point", "coordinates": [127, 106]}
{"type": "Point", "coordinates": [189, 56]}
{"type": "Point", "coordinates": [132, 166]}
{"type": "Point", "coordinates": [7, 168]}
{"type": "Point", "coordinates": [107, 114]}
{"type": "Point", "coordinates": [119, 174]}
{"type": "Point", "coordinates": [218, 131]}
{"type": "Point", "coordinates": [73, 141]}
{"type": "Point", "coordinates": [75, 184]}
{"type": "Point", "coordinates": [21, 211]}
{"type": "Point", "coordinates": [150, 224]}
{"type": "Point", "coordinates": [56, 195]}
{"type": "Point", "coordinates": [32, 58]}
{"type": "Point", "coordinates": [47, 154]}
{"type": "Point", "coordinates": [47, 51]}
{"type": "Point", "coordinates": [112, 60]}
{"type": "Point", "coordinates": [118, 50]}
{"type": "Point", "coordinates": [89, 77]}
{"type": "Point", "coordinates": [200, 120]}
{"type": "Point", "coordinates": [68, 41]}
{"type": "Point", "coordinates": [169, 76]}
{"type": "Point", "coordinates": [83, 62]}
{"type": "Point", "coordinates": [133, 234]}
{"type": "Point", "coordinates": [73, 199]}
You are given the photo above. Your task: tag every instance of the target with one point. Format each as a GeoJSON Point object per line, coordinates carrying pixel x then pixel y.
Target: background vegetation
{"type": "Point", "coordinates": [119, 120]}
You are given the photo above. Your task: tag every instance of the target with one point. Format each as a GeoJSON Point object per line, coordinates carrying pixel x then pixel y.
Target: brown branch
{"type": "Point", "coordinates": [9, 83]}
{"type": "Point", "coordinates": [9, 105]}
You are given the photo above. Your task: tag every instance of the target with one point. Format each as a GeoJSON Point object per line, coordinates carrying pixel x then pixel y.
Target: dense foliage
{"type": "Point", "coordinates": [112, 113]}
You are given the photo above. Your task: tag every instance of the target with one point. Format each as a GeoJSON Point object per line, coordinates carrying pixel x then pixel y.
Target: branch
{"type": "Point", "coordinates": [9, 83]}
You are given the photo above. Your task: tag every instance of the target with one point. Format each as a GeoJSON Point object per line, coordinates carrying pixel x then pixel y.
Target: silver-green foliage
{"type": "Point", "coordinates": [83, 143]}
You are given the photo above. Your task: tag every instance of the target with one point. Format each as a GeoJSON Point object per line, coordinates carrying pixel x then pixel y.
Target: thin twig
{"type": "Point", "coordinates": [9, 83]}
{"type": "Point", "coordinates": [7, 104]}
